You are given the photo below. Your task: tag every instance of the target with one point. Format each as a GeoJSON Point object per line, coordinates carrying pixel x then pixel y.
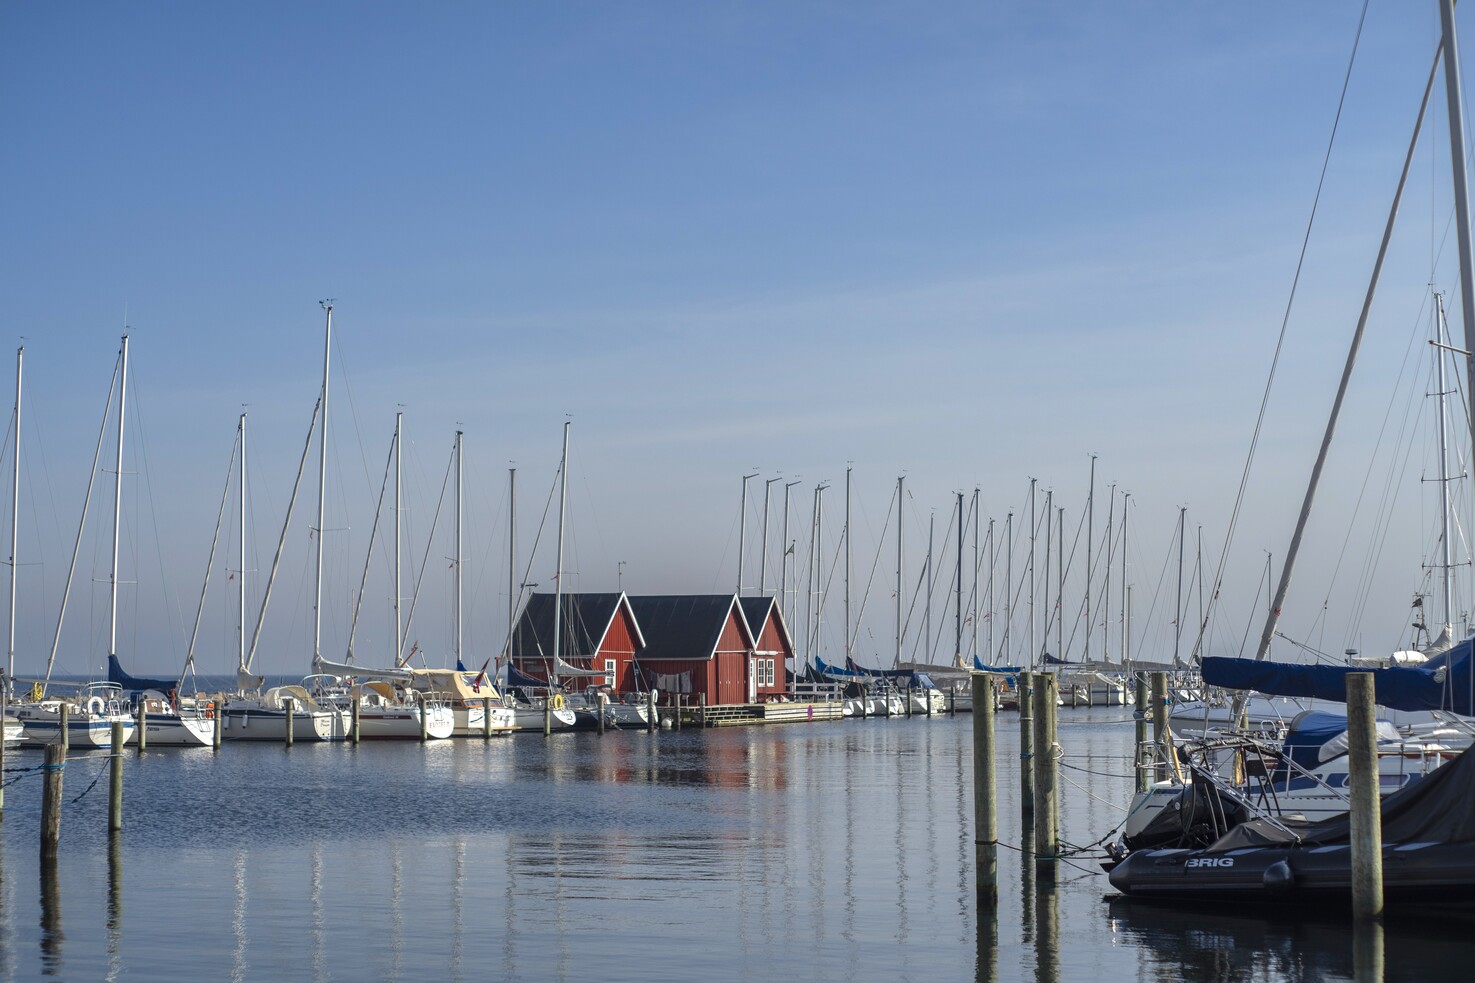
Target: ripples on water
{"type": "Point", "coordinates": [831, 851]}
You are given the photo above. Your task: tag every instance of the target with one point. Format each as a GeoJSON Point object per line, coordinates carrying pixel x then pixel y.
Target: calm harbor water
{"type": "Point", "coordinates": [832, 851]}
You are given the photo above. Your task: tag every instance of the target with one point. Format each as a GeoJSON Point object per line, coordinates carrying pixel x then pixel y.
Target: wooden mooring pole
{"type": "Point", "coordinates": [217, 712]}
{"type": "Point", "coordinates": [599, 699]}
{"type": "Point", "coordinates": [1365, 807]}
{"type": "Point", "coordinates": [1047, 773]}
{"type": "Point", "coordinates": [55, 761]}
{"type": "Point", "coordinates": [985, 807]}
{"type": "Point", "coordinates": [1160, 725]}
{"type": "Point", "coordinates": [354, 710]}
{"type": "Point", "coordinates": [1025, 692]}
{"type": "Point", "coordinates": [143, 728]}
{"type": "Point", "coordinates": [115, 780]}
{"type": "Point", "coordinates": [548, 716]}
{"type": "Point", "coordinates": [486, 718]}
{"type": "Point", "coordinates": [1139, 757]}
{"type": "Point", "coordinates": [64, 735]}
{"type": "Point", "coordinates": [291, 708]}
{"type": "Point", "coordinates": [424, 719]}
{"type": "Point", "coordinates": [650, 711]}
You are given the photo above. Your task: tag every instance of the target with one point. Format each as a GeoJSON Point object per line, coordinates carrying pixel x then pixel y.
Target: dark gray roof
{"type": "Point", "coordinates": [757, 611]}
{"type": "Point", "coordinates": [585, 619]}
{"type": "Point", "coordinates": [681, 626]}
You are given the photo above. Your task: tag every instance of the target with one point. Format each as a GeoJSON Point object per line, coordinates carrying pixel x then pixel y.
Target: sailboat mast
{"type": "Point", "coordinates": [512, 588]}
{"type": "Point", "coordinates": [992, 562]}
{"type": "Point", "coordinates": [783, 573]}
{"type": "Point", "coordinates": [1446, 574]}
{"type": "Point", "coordinates": [458, 547]}
{"type": "Point", "coordinates": [1031, 573]}
{"type": "Point", "coordinates": [117, 504]}
{"type": "Point", "coordinates": [20, 356]}
{"type": "Point", "coordinates": [1454, 100]}
{"type": "Point", "coordinates": [847, 568]}
{"type": "Point", "coordinates": [1106, 585]}
{"type": "Point", "coordinates": [958, 607]}
{"type": "Point", "coordinates": [1126, 588]}
{"type": "Point", "coordinates": [742, 530]}
{"type": "Point", "coordinates": [977, 521]}
{"type": "Point", "coordinates": [1178, 611]}
{"type": "Point", "coordinates": [927, 621]}
{"type": "Point", "coordinates": [1060, 583]}
{"type": "Point", "coordinates": [1049, 519]}
{"type": "Point", "coordinates": [317, 606]}
{"type": "Point", "coordinates": [558, 572]}
{"type": "Point", "coordinates": [900, 562]}
{"type": "Point", "coordinates": [763, 553]}
{"type": "Point", "coordinates": [1008, 583]}
{"type": "Point", "coordinates": [399, 625]}
{"type": "Point", "coordinates": [1090, 548]}
{"type": "Point", "coordinates": [241, 587]}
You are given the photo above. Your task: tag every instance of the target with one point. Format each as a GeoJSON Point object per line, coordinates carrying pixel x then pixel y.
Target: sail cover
{"type": "Point", "coordinates": [1443, 683]}
{"type": "Point", "coordinates": [136, 684]}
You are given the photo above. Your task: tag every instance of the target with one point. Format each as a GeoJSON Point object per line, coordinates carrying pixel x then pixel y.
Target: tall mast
{"type": "Point", "coordinates": [1060, 583]}
{"type": "Point", "coordinates": [1455, 103]}
{"type": "Point", "coordinates": [1049, 521]}
{"type": "Point", "coordinates": [989, 607]}
{"type": "Point", "coordinates": [558, 573]}
{"type": "Point", "coordinates": [1090, 548]}
{"type": "Point", "coordinates": [1178, 611]}
{"type": "Point", "coordinates": [117, 506]}
{"type": "Point", "coordinates": [459, 471]}
{"type": "Point", "coordinates": [399, 630]}
{"type": "Point", "coordinates": [1031, 574]}
{"type": "Point", "coordinates": [1008, 582]}
{"type": "Point", "coordinates": [958, 607]}
{"type": "Point", "coordinates": [1447, 574]}
{"type": "Point", "coordinates": [847, 567]}
{"type": "Point", "coordinates": [241, 587]}
{"type": "Point", "coordinates": [512, 588]}
{"type": "Point", "coordinates": [763, 553]}
{"type": "Point", "coordinates": [927, 609]}
{"type": "Point", "coordinates": [783, 573]}
{"type": "Point", "coordinates": [819, 572]}
{"type": "Point", "coordinates": [1126, 588]}
{"type": "Point", "coordinates": [1106, 585]}
{"type": "Point", "coordinates": [900, 562]}
{"type": "Point", "coordinates": [317, 606]}
{"type": "Point", "coordinates": [977, 520]}
{"type": "Point", "coordinates": [20, 356]}
{"type": "Point", "coordinates": [743, 530]}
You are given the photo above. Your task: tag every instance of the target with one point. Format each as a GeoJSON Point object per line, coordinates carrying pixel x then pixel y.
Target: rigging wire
{"type": "Point", "coordinates": [1194, 653]}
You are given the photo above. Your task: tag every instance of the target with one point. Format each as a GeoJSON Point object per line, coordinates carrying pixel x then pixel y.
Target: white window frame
{"type": "Point", "coordinates": [610, 668]}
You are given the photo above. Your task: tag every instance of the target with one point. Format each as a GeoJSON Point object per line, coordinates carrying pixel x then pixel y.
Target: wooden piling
{"type": "Point", "coordinates": [424, 718]}
{"type": "Point", "coordinates": [486, 717]}
{"type": "Point", "coordinates": [55, 761]}
{"type": "Point", "coordinates": [64, 733]}
{"type": "Point", "coordinates": [702, 708]}
{"type": "Point", "coordinates": [908, 698]}
{"type": "Point", "coordinates": [547, 716]}
{"type": "Point", "coordinates": [1141, 699]}
{"type": "Point", "coordinates": [217, 713]}
{"type": "Point", "coordinates": [678, 711]}
{"type": "Point", "coordinates": [3, 708]}
{"type": "Point", "coordinates": [1025, 690]}
{"type": "Point", "coordinates": [115, 780]}
{"type": "Point", "coordinates": [354, 709]}
{"type": "Point", "coordinates": [1160, 724]}
{"type": "Point", "coordinates": [291, 707]}
{"type": "Point", "coordinates": [952, 702]}
{"type": "Point", "coordinates": [650, 712]}
{"type": "Point", "coordinates": [1047, 773]}
{"type": "Point", "coordinates": [599, 712]}
{"type": "Point", "coordinates": [143, 728]}
{"type": "Point", "coordinates": [1364, 812]}
{"type": "Point", "coordinates": [985, 808]}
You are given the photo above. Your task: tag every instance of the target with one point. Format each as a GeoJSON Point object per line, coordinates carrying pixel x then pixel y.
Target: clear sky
{"type": "Point", "coordinates": [973, 243]}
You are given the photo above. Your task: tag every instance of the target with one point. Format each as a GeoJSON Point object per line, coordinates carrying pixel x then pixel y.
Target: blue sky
{"type": "Point", "coordinates": [974, 243]}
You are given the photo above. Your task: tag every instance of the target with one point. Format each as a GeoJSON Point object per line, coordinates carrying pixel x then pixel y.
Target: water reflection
{"type": "Point", "coordinates": [1367, 953]}
{"type": "Point", "coordinates": [986, 954]}
{"type": "Point", "coordinates": [52, 936]}
{"type": "Point", "coordinates": [238, 918]}
{"type": "Point", "coordinates": [1047, 931]}
{"type": "Point", "coordinates": [115, 904]}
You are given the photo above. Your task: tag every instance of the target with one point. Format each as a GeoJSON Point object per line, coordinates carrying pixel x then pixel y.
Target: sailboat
{"type": "Point", "coordinates": [254, 714]}
{"type": "Point", "coordinates": [166, 721]}
{"type": "Point", "coordinates": [90, 717]}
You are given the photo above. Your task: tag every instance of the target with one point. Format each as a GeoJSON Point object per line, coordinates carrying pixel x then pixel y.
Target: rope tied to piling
{"type": "Point", "coordinates": [100, 772]}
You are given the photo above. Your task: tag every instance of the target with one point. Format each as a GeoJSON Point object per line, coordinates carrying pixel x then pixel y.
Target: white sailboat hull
{"type": "Point", "coordinates": [175, 731]}
{"type": "Point", "coordinates": [262, 724]}
{"type": "Point", "coordinates": [42, 726]}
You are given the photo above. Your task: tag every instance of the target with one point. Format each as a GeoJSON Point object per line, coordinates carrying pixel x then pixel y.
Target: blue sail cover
{"type": "Point", "coordinates": [835, 672]}
{"type": "Point", "coordinates": [1004, 670]}
{"type": "Point", "coordinates": [515, 678]}
{"type": "Point", "coordinates": [857, 668]}
{"type": "Point", "coordinates": [136, 684]}
{"type": "Point", "coordinates": [1442, 683]}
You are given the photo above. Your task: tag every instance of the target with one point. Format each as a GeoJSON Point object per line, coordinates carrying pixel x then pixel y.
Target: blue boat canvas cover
{"type": "Point", "coordinates": [1445, 682]}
